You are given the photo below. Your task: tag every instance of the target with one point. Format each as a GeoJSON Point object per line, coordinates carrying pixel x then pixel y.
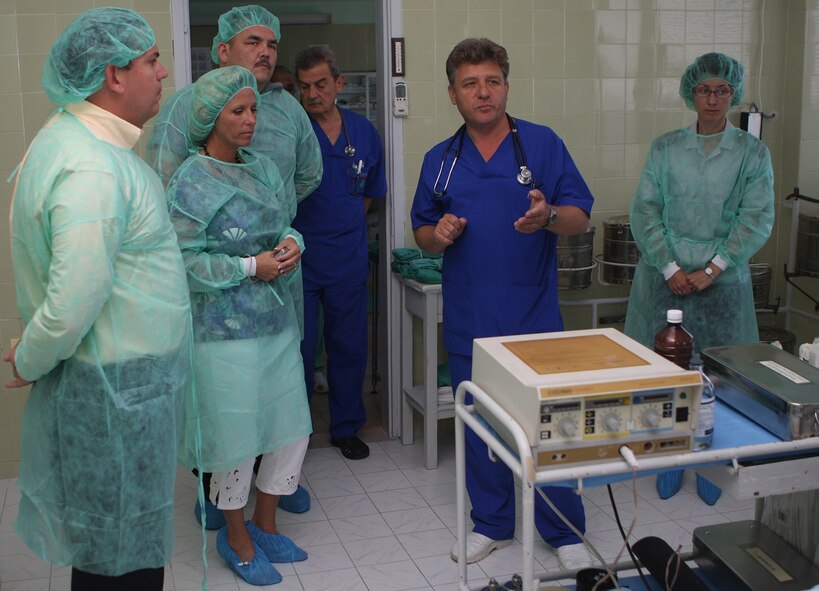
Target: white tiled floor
{"type": "Point", "coordinates": [380, 524]}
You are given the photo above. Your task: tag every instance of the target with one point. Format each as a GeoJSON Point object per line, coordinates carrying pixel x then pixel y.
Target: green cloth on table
{"type": "Point", "coordinates": [414, 263]}
{"type": "Point", "coordinates": [444, 377]}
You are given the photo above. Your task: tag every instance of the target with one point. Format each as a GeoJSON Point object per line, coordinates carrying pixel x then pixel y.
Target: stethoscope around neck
{"type": "Point", "coordinates": [523, 176]}
{"type": "Point", "coordinates": [349, 149]}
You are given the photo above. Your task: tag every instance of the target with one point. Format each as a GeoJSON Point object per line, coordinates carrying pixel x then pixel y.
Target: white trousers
{"type": "Point", "coordinates": [278, 475]}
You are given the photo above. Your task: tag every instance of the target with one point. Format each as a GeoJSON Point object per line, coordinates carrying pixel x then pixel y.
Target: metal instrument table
{"type": "Point", "coordinates": [755, 442]}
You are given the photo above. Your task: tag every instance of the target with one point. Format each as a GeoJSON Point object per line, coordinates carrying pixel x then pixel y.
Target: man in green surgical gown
{"type": "Point", "coordinates": [102, 292]}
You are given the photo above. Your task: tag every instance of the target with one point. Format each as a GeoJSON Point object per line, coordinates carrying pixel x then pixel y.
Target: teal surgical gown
{"type": "Point", "coordinates": [101, 289]}
{"type": "Point", "coordinates": [249, 377]}
{"type": "Point", "coordinates": [700, 196]}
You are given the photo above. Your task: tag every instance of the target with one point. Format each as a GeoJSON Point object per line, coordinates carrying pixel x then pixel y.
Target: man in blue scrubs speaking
{"type": "Point", "coordinates": [493, 198]}
{"type": "Point", "coordinates": [335, 262]}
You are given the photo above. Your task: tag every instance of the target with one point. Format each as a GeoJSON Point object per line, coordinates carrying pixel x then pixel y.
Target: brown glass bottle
{"type": "Point", "coordinates": [674, 342]}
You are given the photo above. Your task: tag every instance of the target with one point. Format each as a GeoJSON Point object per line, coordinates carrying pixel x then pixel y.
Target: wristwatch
{"type": "Point", "coordinates": [710, 272]}
{"type": "Point", "coordinates": [552, 217]}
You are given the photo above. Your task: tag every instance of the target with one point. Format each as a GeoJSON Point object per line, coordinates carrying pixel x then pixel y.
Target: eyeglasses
{"type": "Point", "coordinates": [720, 92]}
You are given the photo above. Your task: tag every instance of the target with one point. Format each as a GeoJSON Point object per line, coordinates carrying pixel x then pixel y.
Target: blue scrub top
{"type": "Point", "coordinates": [332, 219]}
{"type": "Point", "coordinates": [496, 280]}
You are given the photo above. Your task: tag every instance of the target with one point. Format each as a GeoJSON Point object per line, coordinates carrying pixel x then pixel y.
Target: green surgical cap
{"type": "Point", "coordinates": [712, 65]}
{"type": "Point", "coordinates": [75, 66]}
{"type": "Point", "coordinates": [239, 18]}
{"type": "Point", "coordinates": [210, 95]}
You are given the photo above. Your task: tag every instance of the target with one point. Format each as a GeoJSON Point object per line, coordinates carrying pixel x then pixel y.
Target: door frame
{"type": "Point", "coordinates": [389, 25]}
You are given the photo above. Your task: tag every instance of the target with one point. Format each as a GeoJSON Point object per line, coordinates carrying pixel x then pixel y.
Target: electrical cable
{"type": "Point", "coordinates": [625, 537]}
{"type": "Point", "coordinates": [670, 585]}
{"type": "Point", "coordinates": [571, 526]}
{"type": "Point", "coordinates": [628, 455]}
{"type": "Point", "coordinates": [631, 460]}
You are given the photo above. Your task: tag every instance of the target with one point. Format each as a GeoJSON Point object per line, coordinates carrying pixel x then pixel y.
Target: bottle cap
{"type": "Point", "coordinates": [696, 361]}
{"type": "Point", "coordinates": [674, 316]}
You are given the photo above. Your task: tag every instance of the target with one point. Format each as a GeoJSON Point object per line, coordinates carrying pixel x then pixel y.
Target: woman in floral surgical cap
{"type": "Point", "coordinates": [230, 211]}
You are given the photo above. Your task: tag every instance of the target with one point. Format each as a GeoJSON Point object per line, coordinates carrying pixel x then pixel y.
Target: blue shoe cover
{"type": "Point", "coordinates": [298, 502]}
{"type": "Point", "coordinates": [669, 483]}
{"type": "Point", "coordinates": [258, 571]}
{"type": "Point", "coordinates": [708, 491]}
{"type": "Point", "coordinates": [277, 548]}
{"type": "Point", "coordinates": [214, 518]}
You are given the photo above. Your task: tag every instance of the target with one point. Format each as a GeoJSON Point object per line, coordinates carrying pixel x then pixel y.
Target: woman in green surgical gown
{"type": "Point", "coordinates": [703, 207]}
{"type": "Point", "coordinates": [232, 218]}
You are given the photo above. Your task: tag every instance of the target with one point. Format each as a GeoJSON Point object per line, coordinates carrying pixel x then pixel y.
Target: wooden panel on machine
{"type": "Point", "coordinates": [576, 353]}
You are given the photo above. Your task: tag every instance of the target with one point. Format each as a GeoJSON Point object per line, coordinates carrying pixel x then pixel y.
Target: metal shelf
{"type": "Point", "coordinates": [360, 94]}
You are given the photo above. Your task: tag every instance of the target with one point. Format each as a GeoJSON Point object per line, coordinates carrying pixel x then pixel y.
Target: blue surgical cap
{"type": "Point", "coordinates": [75, 66]}
{"type": "Point", "coordinates": [713, 65]}
{"type": "Point", "coordinates": [211, 93]}
{"type": "Point", "coordinates": [239, 18]}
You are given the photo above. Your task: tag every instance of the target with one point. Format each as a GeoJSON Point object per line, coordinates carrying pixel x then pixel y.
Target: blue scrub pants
{"type": "Point", "coordinates": [345, 340]}
{"type": "Point", "coordinates": [491, 487]}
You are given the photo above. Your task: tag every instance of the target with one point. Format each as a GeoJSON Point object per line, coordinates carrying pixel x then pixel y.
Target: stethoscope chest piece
{"type": "Point", "coordinates": [524, 176]}
{"type": "Point", "coordinates": [349, 149]}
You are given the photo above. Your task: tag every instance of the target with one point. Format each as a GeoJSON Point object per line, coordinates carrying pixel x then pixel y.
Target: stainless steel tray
{"type": "Point", "coordinates": [771, 387]}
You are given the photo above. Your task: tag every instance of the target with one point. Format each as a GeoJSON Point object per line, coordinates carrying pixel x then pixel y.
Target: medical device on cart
{"type": "Point", "coordinates": [769, 386]}
{"type": "Point", "coordinates": [580, 395]}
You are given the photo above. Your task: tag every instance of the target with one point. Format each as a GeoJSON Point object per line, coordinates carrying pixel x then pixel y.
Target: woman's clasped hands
{"type": "Point", "coordinates": [682, 283]}
{"type": "Point", "coordinates": [272, 264]}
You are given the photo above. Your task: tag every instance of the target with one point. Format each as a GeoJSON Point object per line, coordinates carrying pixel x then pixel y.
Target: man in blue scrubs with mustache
{"type": "Point", "coordinates": [333, 223]}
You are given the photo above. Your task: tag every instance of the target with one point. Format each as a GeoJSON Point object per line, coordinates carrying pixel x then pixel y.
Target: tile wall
{"type": "Point", "coordinates": [605, 75]}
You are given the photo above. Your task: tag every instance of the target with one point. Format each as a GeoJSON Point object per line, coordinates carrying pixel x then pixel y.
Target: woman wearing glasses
{"type": "Point", "coordinates": [703, 207]}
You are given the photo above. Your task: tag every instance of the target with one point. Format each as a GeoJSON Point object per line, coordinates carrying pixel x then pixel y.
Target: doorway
{"type": "Point", "coordinates": [359, 32]}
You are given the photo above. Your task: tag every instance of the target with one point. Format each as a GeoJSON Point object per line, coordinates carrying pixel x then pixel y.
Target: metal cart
{"type": "Point", "coordinates": [728, 448]}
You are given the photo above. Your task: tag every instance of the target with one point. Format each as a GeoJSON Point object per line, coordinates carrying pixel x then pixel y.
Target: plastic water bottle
{"type": "Point", "coordinates": [674, 342]}
{"type": "Point", "coordinates": [704, 432]}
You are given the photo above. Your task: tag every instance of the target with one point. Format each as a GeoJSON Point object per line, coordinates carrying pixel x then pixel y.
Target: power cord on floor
{"type": "Point", "coordinates": [677, 562]}
{"type": "Point", "coordinates": [625, 537]}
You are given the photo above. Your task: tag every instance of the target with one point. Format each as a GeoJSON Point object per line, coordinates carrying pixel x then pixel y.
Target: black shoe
{"type": "Point", "coordinates": [352, 448]}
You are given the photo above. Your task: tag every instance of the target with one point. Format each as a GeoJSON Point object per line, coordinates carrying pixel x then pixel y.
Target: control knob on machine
{"type": "Point", "coordinates": [651, 418]}
{"type": "Point", "coordinates": [611, 422]}
{"type": "Point", "coordinates": [567, 427]}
